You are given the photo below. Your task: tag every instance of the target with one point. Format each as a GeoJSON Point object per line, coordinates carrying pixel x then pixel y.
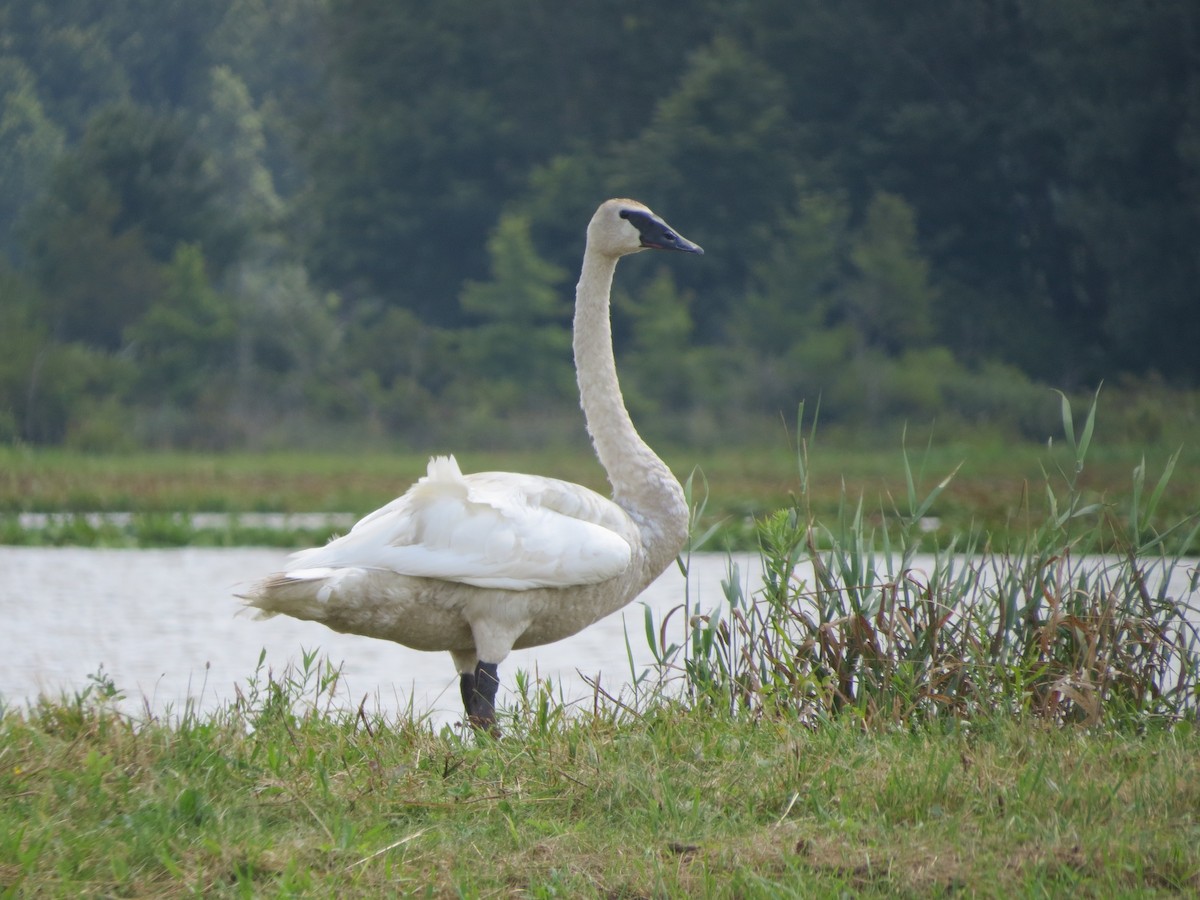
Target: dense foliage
{"type": "Point", "coordinates": [230, 222]}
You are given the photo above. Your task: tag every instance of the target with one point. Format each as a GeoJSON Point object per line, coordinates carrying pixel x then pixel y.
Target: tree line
{"type": "Point", "coordinates": [242, 222]}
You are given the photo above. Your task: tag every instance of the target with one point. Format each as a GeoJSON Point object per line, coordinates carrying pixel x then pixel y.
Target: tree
{"type": "Point", "coordinates": [161, 178]}
{"type": "Point", "coordinates": [95, 277]}
{"type": "Point", "coordinates": [437, 113]}
{"type": "Point", "coordinates": [76, 71]}
{"type": "Point", "coordinates": [184, 343]}
{"type": "Point", "coordinates": [29, 145]}
{"type": "Point", "coordinates": [233, 135]}
{"type": "Point", "coordinates": [518, 351]}
{"type": "Point", "coordinates": [793, 289]}
{"type": "Point", "coordinates": [888, 298]}
{"type": "Point", "coordinates": [887, 193]}
{"type": "Point", "coordinates": [48, 388]}
{"type": "Point", "coordinates": [662, 370]}
{"type": "Point", "coordinates": [715, 153]}
{"type": "Point", "coordinates": [117, 208]}
{"type": "Point", "coordinates": [165, 48]}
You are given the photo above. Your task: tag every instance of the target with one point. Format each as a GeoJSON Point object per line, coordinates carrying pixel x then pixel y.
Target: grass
{"type": "Point", "coordinates": [276, 795]}
{"type": "Point", "coordinates": [1022, 723]}
{"type": "Point", "coordinates": [1075, 619]}
{"type": "Point", "coordinates": [163, 529]}
{"type": "Point", "coordinates": [994, 491]}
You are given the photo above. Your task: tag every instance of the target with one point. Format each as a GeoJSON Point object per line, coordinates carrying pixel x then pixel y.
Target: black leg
{"type": "Point", "coordinates": [466, 685]}
{"type": "Point", "coordinates": [481, 706]}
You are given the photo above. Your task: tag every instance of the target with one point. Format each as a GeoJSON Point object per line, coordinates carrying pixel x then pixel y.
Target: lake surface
{"type": "Point", "coordinates": [166, 627]}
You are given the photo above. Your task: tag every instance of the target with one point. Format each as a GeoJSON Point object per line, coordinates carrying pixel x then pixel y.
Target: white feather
{"type": "Point", "coordinates": [491, 530]}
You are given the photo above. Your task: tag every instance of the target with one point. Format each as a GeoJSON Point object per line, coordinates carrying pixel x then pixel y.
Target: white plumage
{"type": "Point", "coordinates": [488, 530]}
{"type": "Point", "coordinates": [479, 564]}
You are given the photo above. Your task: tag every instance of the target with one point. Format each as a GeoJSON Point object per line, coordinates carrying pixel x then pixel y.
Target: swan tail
{"type": "Point", "coordinates": [302, 594]}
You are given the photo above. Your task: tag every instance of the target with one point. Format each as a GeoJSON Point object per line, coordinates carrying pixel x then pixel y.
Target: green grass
{"type": "Point", "coordinates": [155, 529]}
{"type": "Point", "coordinates": [996, 488]}
{"type": "Point", "coordinates": [263, 800]}
{"type": "Point", "coordinates": [870, 732]}
{"type": "Point", "coordinates": [1073, 618]}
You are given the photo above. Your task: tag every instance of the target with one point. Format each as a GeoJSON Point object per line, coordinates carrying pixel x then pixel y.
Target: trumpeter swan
{"type": "Point", "coordinates": [481, 564]}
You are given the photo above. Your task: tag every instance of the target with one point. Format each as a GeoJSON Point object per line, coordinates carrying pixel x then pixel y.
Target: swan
{"type": "Point", "coordinates": [483, 563]}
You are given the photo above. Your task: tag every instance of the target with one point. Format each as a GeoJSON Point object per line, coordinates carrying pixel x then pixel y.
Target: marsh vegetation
{"type": "Point", "coordinates": [989, 723]}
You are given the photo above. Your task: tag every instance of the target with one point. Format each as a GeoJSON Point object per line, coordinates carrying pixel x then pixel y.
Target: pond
{"type": "Point", "coordinates": [166, 626]}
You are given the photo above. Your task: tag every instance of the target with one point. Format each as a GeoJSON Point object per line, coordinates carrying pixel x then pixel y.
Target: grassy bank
{"type": "Point", "coordinates": [1016, 724]}
{"type": "Point", "coordinates": [262, 800]}
{"type": "Point", "coordinates": [996, 489]}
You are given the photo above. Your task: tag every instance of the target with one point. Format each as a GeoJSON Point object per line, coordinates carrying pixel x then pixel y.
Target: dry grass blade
{"type": "Point", "coordinates": [391, 846]}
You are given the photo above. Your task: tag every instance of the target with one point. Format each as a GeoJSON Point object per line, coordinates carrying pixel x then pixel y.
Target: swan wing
{"type": "Point", "coordinates": [492, 530]}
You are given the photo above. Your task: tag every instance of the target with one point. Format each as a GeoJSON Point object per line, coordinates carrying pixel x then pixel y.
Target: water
{"type": "Point", "coordinates": [279, 521]}
{"type": "Point", "coordinates": [166, 627]}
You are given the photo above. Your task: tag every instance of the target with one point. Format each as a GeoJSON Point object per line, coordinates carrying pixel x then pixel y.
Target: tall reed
{"type": "Point", "coordinates": [1078, 623]}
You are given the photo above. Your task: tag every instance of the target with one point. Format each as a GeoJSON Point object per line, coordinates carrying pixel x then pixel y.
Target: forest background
{"type": "Point", "coordinates": [274, 223]}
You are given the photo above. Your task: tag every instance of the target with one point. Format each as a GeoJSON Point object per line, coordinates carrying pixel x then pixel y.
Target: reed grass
{"type": "Point", "coordinates": [1073, 622]}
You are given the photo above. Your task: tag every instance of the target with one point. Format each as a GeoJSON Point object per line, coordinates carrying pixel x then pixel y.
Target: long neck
{"type": "Point", "coordinates": [642, 484]}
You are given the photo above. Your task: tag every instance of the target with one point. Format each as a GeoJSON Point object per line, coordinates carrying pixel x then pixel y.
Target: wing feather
{"type": "Point", "coordinates": [493, 530]}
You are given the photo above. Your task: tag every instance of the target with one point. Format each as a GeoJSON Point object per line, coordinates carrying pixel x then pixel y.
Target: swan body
{"type": "Point", "coordinates": [483, 563]}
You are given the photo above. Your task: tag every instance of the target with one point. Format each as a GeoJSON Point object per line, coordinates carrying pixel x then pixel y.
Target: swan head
{"type": "Point", "coordinates": [621, 227]}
